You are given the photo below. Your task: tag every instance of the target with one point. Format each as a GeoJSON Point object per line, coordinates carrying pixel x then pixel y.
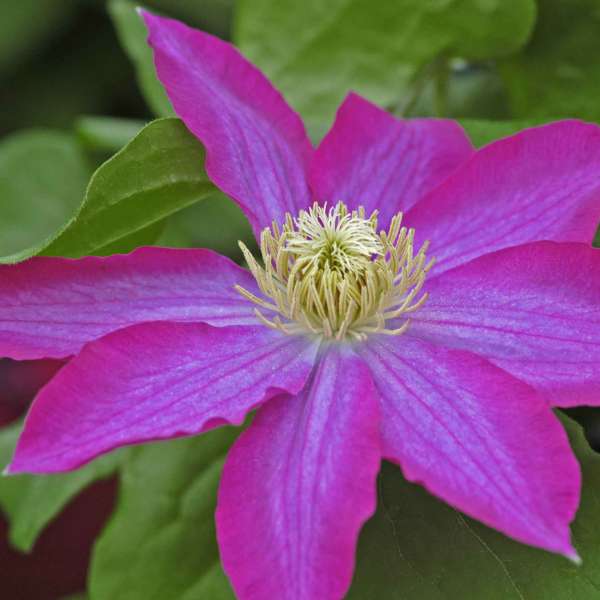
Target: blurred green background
{"type": "Point", "coordinates": [60, 59]}
{"type": "Point", "coordinates": [60, 62]}
{"type": "Point", "coordinates": [77, 84]}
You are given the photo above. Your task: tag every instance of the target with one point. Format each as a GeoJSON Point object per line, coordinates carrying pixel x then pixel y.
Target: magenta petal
{"type": "Point", "coordinates": [50, 307]}
{"type": "Point", "coordinates": [478, 438]}
{"type": "Point", "coordinates": [534, 310]}
{"type": "Point", "coordinates": [541, 184]}
{"type": "Point", "coordinates": [298, 485]}
{"type": "Point", "coordinates": [372, 159]}
{"type": "Point", "coordinates": [156, 381]}
{"type": "Point", "coordinates": [257, 148]}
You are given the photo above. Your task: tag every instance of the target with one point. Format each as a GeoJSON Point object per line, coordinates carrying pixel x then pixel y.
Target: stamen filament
{"type": "Point", "coordinates": [329, 272]}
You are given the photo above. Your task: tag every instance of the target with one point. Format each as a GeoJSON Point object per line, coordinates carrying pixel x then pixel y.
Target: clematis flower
{"type": "Point", "coordinates": [414, 300]}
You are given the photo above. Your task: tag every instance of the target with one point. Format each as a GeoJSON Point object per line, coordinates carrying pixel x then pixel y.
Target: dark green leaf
{"type": "Point", "coordinates": [158, 173]}
{"type": "Point", "coordinates": [132, 34]}
{"type": "Point", "coordinates": [43, 175]}
{"type": "Point", "coordinates": [144, 237]}
{"type": "Point", "coordinates": [161, 541]}
{"type": "Point", "coordinates": [31, 502]}
{"type": "Point", "coordinates": [558, 73]}
{"type": "Point", "coordinates": [316, 52]}
{"type": "Point", "coordinates": [209, 15]}
{"type": "Point", "coordinates": [484, 132]}
{"type": "Point", "coordinates": [417, 547]}
{"type": "Point", "coordinates": [217, 224]}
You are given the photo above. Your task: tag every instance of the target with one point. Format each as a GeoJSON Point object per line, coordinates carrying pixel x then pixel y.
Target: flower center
{"type": "Point", "coordinates": [330, 273]}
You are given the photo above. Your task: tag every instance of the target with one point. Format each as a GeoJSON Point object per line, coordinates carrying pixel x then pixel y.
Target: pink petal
{"type": "Point", "coordinates": [478, 438]}
{"type": "Point", "coordinates": [372, 159]}
{"type": "Point", "coordinates": [298, 485]}
{"type": "Point", "coordinates": [156, 381]}
{"type": "Point", "coordinates": [257, 148]}
{"type": "Point", "coordinates": [541, 184]}
{"type": "Point", "coordinates": [50, 307]}
{"type": "Point", "coordinates": [534, 310]}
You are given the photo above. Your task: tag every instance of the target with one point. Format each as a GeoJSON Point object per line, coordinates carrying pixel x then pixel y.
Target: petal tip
{"type": "Point", "coordinates": [574, 557]}
{"type": "Point", "coordinates": [147, 17]}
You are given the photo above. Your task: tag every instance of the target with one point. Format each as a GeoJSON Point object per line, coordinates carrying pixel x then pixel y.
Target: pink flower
{"type": "Point", "coordinates": [361, 350]}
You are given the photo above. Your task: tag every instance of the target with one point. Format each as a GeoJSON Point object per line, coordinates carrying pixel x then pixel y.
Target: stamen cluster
{"type": "Point", "coordinates": [330, 273]}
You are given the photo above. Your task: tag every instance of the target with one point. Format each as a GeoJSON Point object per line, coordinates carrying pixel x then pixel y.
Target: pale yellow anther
{"type": "Point", "coordinates": [329, 272]}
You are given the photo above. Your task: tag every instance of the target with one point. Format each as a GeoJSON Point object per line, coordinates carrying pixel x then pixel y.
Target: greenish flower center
{"type": "Point", "coordinates": [329, 272]}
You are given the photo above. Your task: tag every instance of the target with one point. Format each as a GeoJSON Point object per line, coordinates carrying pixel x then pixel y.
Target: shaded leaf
{"type": "Point", "coordinates": [213, 16]}
{"type": "Point", "coordinates": [417, 547]}
{"type": "Point", "coordinates": [149, 235]}
{"type": "Point", "coordinates": [43, 175]}
{"type": "Point", "coordinates": [161, 541]}
{"type": "Point", "coordinates": [32, 501]}
{"type": "Point", "coordinates": [484, 132]}
{"type": "Point", "coordinates": [217, 224]}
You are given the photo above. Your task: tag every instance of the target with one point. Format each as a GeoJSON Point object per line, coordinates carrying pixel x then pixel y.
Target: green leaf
{"type": "Point", "coordinates": [158, 173]}
{"type": "Point", "coordinates": [213, 16]}
{"type": "Point", "coordinates": [32, 501]}
{"type": "Point", "coordinates": [483, 132]}
{"type": "Point", "coordinates": [315, 52]}
{"type": "Point", "coordinates": [418, 547]}
{"type": "Point", "coordinates": [106, 134]}
{"type": "Point", "coordinates": [132, 35]}
{"type": "Point", "coordinates": [201, 225]}
{"type": "Point", "coordinates": [149, 235]}
{"type": "Point", "coordinates": [161, 541]}
{"type": "Point", "coordinates": [43, 175]}
{"type": "Point", "coordinates": [558, 73]}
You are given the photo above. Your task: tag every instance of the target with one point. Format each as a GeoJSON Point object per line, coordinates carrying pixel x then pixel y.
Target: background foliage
{"type": "Point", "coordinates": [92, 161]}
